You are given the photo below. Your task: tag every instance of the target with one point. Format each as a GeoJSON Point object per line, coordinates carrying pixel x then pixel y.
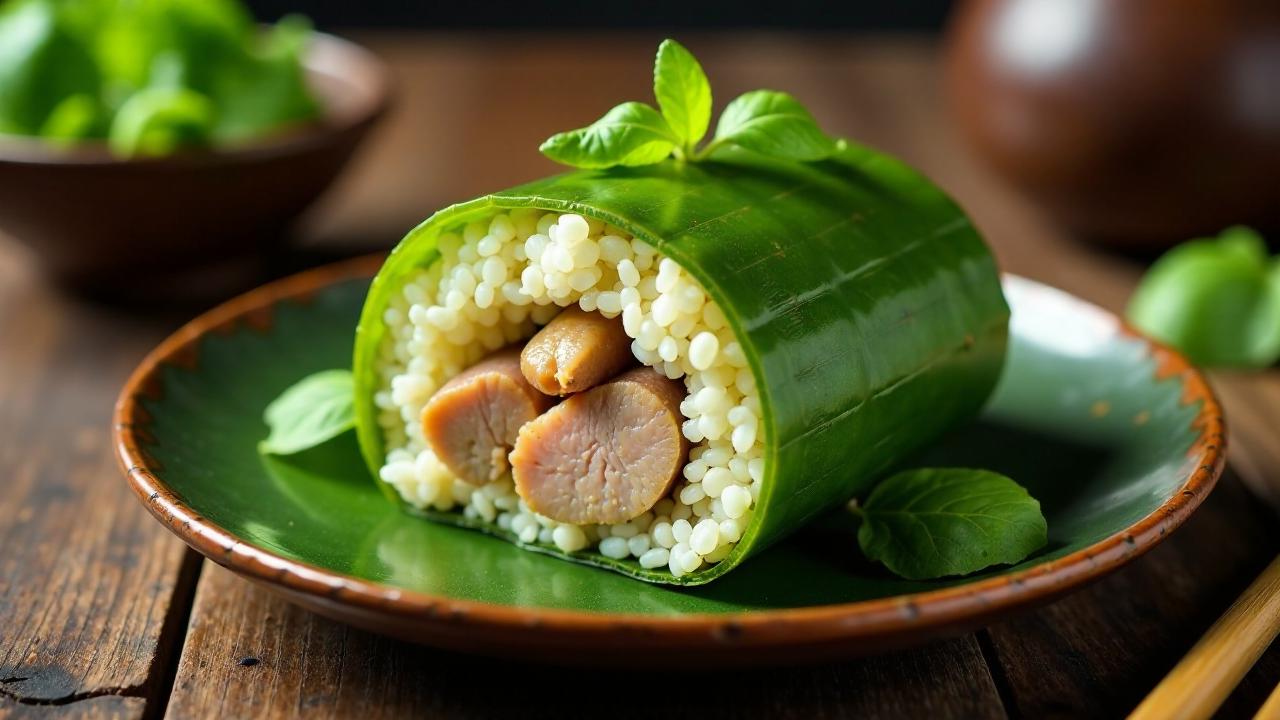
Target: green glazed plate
{"type": "Point", "coordinates": [1119, 439]}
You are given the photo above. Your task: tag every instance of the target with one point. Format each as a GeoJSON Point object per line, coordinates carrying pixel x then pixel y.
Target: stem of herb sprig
{"type": "Point", "coordinates": [706, 150]}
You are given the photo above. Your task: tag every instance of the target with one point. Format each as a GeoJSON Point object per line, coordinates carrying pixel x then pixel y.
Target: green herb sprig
{"type": "Point", "coordinates": [767, 122]}
{"type": "Point", "coordinates": [1215, 299]}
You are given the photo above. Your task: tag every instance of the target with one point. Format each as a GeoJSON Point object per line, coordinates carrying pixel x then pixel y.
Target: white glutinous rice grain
{"type": "Point", "coordinates": [496, 282]}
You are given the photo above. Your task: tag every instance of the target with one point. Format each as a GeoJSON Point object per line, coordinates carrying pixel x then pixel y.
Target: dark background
{"type": "Point", "coordinates": [856, 15]}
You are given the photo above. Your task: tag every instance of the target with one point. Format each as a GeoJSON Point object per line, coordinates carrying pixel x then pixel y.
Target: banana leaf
{"type": "Point", "coordinates": [866, 303]}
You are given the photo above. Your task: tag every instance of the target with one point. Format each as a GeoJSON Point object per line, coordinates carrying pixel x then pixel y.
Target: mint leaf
{"type": "Point", "coordinates": [317, 409]}
{"type": "Point", "coordinates": [1216, 299]}
{"type": "Point", "coordinates": [772, 123]}
{"type": "Point", "coordinates": [683, 92]}
{"type": "Point", "coordinates": [630, 134]}
{"type": "Point", "coordinates": [936, 522]}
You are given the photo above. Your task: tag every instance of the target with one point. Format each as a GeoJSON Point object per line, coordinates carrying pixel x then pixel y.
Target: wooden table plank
{"type": "Point", "coordinates": [88, 581]}
{"type": "Point", "coordinates": [250, 653]}
{"type": "Point", "coordinates": [113, 707]}
{"type": "Point", "coordinates": [1098, 652]}
{"type": "Point", "coordinates": [1252, 402]}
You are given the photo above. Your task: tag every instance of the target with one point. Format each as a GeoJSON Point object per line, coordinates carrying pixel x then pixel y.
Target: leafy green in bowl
{"type": "Point", "coordinates": [149, 78]}
{"type": "Point", "coordinates": [196, 222]}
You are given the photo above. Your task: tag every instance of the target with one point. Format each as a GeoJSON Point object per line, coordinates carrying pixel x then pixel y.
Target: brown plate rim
{"type": "Point", "coordinates": [914, 614]}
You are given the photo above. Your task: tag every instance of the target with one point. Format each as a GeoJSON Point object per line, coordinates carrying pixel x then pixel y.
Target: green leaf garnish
{"type": "Point", "coordinates": [773, 123]}
{"type": "Point", "coordinates": [1215, 299]}
{"type": "Point", "coordinates": [630, 134]}
{"type": "Point", "coordinates": [763, 121]}
{"type": "Point", "coordinates": [683, 93]}
{"type": "Point", "coordinates": [317, 409]}
{"type": "Point", "coordinates": [937, 522]}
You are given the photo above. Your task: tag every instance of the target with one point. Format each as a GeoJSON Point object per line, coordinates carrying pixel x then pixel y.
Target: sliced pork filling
{"type": "Point", "coordinates": [605, 456]}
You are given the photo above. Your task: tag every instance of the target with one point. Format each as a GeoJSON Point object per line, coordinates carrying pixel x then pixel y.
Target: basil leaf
{"type": "Point", "coordinates": [772, 123]}
{"type": "Point", "coordinates": [317, 409]}
{"type": "Point", "coordinates": [1216, 299]}
{"type": "Point", "coordinates": [935, 522]}
{"type": "Point", "coordinates": [630, 134]}
{"type": "Point", "coordinates": [683, 92]}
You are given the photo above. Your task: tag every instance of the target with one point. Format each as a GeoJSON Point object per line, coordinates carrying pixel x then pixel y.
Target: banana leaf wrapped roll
{"type": "Point", "coordinates": [822, 320]}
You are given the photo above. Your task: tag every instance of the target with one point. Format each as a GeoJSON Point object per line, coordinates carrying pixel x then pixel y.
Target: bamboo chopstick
{"type": "Point", "coordinates": [1199, 683]}
{"type": "Point", "coordinates": [1270, 709]}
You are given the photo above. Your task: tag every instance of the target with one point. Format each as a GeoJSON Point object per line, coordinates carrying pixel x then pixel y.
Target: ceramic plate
{"type": "Point", "coordinates": [1118, 438]}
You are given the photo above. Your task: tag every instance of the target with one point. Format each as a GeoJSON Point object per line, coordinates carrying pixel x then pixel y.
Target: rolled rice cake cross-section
{"type": "Point", "coordinates": [820, 322]}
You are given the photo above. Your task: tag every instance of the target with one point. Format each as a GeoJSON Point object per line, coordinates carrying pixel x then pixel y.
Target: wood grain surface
{"type": "Point", "coordinates": [250, 653]}
{"type": "Point", "coordinates": [104, 707]}
{"type": "Point", "coordinates": [1114, 641]}
{"type": "Point", "coordinates": [93, 593]}
{"type": "Point", "coordinates": [96, 600]}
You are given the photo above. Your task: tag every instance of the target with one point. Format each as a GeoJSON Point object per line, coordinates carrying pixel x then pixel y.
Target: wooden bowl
{"type": "Point", "coordinates": [110, 225]}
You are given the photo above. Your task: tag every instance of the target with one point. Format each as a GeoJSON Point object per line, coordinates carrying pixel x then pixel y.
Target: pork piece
{"type": "Point", "coordinates": [472, 422]}
{"type": "Point", "coordinates": [576, 351]}
{"type": "Point", "coordinates": [606, 455]}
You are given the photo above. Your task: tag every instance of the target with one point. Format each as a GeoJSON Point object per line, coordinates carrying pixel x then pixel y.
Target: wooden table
{"type": "Point", "coordinates": [103, 613]}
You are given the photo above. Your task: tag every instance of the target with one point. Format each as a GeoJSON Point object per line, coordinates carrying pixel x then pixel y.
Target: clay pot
{"type": "Point", "coordinates": [1143, 122]}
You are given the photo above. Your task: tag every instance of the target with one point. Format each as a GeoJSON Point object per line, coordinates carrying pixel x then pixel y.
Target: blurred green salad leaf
{"type": "Point", "coordinates": [75, 118]}
{"type": "Point", "coordinates": [271, 90]}
{"type": "Point", "coordinates": [765, 122]}
{"type": "Point", "coordinates": [319, 408]}
{"type": "Point", "coordinates": [41, 63]}
{"type": "Point", "coordinates": [157, 121]}
{"type": "Point", "coordinates": [937, 522]}
{"type": "Point", "coordinates": [1215, 299]}
{"type": "Point", "coordinates": [149, 76]}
